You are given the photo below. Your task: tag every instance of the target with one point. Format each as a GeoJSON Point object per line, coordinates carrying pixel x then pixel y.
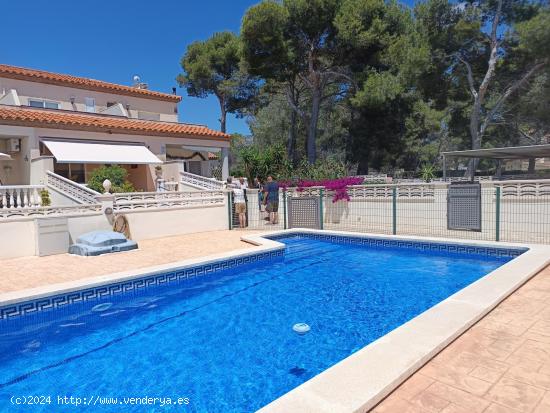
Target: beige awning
{"type": "Point", "coordinates": [100, 153]}
{"type": "Point", "coordinates": [5, 157]}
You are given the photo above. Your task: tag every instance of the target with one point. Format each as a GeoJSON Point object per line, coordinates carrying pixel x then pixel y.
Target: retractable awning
{"type": "Point", "coordinates": [100, 153]}
{"type": "Point", "coordinates": [5, 157]}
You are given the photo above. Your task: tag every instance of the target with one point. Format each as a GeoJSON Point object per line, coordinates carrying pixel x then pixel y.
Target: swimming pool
{"type": "Point", "coordinates": [224, 341]}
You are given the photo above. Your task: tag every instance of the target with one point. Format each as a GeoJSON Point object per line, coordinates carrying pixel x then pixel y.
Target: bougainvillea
{"type": "Point", "coordinates": [338, 186]}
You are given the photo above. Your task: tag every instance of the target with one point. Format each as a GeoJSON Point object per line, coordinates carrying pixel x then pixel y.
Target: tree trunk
{"type": "Point", "coordinates": [363, 166]}
{"type": "Point", "coordinates": [474, 133]}
{"type": "Point", "coordinates": [531, 168]}
{"type": "Point", "coordinates": [312, 129]}
{"type": "Point", "coordinates": [223, 114]}
{"type": "Point", "coordinates": [291, 144]}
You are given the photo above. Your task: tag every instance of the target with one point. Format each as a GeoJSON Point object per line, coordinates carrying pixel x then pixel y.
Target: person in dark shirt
{"type": "Point", "coordinates": [271, 191]}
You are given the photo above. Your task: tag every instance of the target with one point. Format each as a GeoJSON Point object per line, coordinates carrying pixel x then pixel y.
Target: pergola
{"type": "Point", "coordinates": [499, 154]}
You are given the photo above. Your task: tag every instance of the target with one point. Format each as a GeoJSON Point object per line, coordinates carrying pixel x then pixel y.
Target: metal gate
{"type": "Point", "coordinates": [464, 206]}
{"type": "Point", "coordinates": [304, 212]}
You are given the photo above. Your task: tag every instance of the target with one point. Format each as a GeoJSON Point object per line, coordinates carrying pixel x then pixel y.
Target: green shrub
{"type": "Point", "coordinates": [45, 197]}
{"type": "Point", "coordinates": [320, 170]}
{"type": "Point", "coordinates": [427, 173]}
{"type": "Point", "coordinates": [114, 173]}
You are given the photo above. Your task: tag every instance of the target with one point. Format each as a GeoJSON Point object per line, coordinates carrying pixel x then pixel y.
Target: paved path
{"type": "Point", "coordinates": [500, 365]}
{"type": "Point", "coordinates": [29, 272]}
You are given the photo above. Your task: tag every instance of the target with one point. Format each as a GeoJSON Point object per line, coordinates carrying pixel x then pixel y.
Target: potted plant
{"type": "Point", "coordinates": [45, 198]}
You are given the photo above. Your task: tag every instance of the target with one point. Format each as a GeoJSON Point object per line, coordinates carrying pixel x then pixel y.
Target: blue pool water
{"type": "Point", "coordinates": [225, 340]}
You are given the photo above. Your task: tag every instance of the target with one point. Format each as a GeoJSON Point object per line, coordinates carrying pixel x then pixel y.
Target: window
{"type": "Point", "coordinates": [38, 103]}
{"type": "Point", "coordinates": [90, 104]}
{"type": "Point", "coordinates": [72, 171]}
{"type": "Point", "coordinates": [148, 115]}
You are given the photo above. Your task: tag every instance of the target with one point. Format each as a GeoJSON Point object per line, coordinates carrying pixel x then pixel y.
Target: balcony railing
{"type": "Point", "coordinates": [200, 182]}
{"type": "Point", "coordinates": [20, 196]}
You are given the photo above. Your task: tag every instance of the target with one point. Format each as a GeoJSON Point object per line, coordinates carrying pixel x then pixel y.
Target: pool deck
{"type": "Point", "coordinates": [501, 364]}
{"type": "Point", "coordinates": [31, 272]}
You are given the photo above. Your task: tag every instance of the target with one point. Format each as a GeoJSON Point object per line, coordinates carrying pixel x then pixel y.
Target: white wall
{"type": "Point", "coordinates": [18, 237]}
{"type": "Point", "coordinates": [62, 94]}
{"type": "Point", "coordinates": [169, 222]}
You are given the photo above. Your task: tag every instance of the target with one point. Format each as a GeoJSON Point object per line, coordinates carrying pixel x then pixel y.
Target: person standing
{"type": "Point", "coordinates": [240, 204]}
{"type": "Point", "coordinates": [271, 191]}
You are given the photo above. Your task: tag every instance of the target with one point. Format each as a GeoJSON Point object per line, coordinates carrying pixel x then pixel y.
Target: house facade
{"type": "Point", "coordinates": [68, 126]}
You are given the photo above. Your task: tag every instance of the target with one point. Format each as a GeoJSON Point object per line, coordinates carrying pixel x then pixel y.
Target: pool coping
{"type": "Point", "coordinates": [30, 294]}
{"type": "Point", "coordinates": [359, 382]}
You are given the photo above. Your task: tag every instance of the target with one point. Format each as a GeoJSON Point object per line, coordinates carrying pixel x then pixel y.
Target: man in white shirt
{"type": "Point", "coordinates": [240, 204]}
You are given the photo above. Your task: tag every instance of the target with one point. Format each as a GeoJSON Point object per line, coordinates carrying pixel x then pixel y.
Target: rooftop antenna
{"type": "Point", "coordinates": [139, 84]}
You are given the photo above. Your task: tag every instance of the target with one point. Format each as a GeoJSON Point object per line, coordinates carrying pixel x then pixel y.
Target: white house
{"type": "Point", "coordinates": [62, 127]}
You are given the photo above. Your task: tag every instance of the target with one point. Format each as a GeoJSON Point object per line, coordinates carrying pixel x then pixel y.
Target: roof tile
{"type": "Point", "coordinates": [36, 117]}
{"type": "Point", "coordinates": [33, 75]}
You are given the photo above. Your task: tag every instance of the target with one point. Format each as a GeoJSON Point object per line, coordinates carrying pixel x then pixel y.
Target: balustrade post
{"type": "Point", "coordinates": [18, 197]}
{"type": "Point", "coordinates": [25, 197]}
{"type": "Point", "coordinates": [4, 199]}
{"type": "Point", "coordinates": [37, 199]}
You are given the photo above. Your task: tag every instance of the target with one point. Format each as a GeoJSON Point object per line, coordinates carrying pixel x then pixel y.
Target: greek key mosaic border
{"type": "Point", "coordinates": [418, 245]}
{"type": "Point", "coordinates": [56, 301]}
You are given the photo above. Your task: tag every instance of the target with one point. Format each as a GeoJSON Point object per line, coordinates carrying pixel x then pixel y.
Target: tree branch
{"type": "Point", "coordinates": [509, 92]}
{"type": "Point", "coordinates": [470, 75]}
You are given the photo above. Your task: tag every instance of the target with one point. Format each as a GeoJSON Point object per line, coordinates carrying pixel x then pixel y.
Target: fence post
{"type": "Point", "coordinates": [284, 209]}
{"type": "Point", "coordinates": [321, 218]}
{"type": "Point", "coordinates": [229, 210]}
{"type": "Point", "coordinates": [497, 214]}
{"type": "Point", "coordinates": [394, 210]}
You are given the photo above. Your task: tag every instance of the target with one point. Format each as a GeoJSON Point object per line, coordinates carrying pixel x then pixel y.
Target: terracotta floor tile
{"type": "Point", "coordinates": [515, 394]}
{"type": "Point", "coordinates": [453, 408]}
{"type": "Point", "coordinates": [498, 408]}
{"type": "Point", "coordinates": [541, 327]}
{"type": "Point", "coordinates": [458, 397]}
{"type": "Point", "coordinates": [534, 350]}
{"type": "Point", "coordinates": [544, 405]}
{"type": "Point", "coordinates": [487, 374]}
{"type": "Point", "coordinates": [529, 376]}
{"type": "Point", "coordinates": [429, 402]}
{"type": "Point", "coordinates": [457, 379]}
{"type": "Point", "coordinates": [413, 386]}
{"type": "Point", "coordinates": [30, 272]}
{"type": "Point", "coordinates": [545, 368]}
{"type": "Point", "coordinates": [397, 405]}
{"type": "Point", "coordinates": [515, 360]}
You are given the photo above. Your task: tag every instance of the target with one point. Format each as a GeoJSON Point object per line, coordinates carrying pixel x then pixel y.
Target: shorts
{"type": "Point", "coordinates": [273, 206]}
{"type": "Point", "coordinates": [240, 208]}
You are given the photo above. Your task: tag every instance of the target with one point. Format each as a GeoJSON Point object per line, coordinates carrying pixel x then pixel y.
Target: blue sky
{"type": "Point", "coordinates": [113, 40]}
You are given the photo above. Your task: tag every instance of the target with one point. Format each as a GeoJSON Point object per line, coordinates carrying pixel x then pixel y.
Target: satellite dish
{"type": "Point", "coordinates": [136, 78]}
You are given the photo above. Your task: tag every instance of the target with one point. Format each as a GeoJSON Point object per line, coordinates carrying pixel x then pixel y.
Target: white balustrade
{"type": "Point", "coordinates": [73, 190]}
{"type": "Point", "coordinates": [40, 211]}
{"type": "Point", "coordinates": [201, 182]}
{"type": "Point", "coordinates": [524, 189]}
{"type": "Point", "coordinates": [172, 199]}
{"type": "Point", "coordinates": [20, 196]}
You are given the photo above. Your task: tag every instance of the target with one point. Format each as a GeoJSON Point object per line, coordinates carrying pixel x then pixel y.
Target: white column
{"type": "Point", "coordinates": [225, 163]}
